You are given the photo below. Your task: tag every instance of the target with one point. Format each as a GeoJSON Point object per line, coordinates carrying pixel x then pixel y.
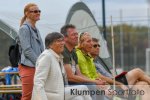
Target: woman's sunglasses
{"type": "Point", "coordinates": [35, 11]}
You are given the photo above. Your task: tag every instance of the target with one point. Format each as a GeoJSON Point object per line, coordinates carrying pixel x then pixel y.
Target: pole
{"type": "Point", "coordinates": [121, 41]}
{"type": "Point", "coordinates": [113, 52]}
{"type": "Point", "coordinates": [103, 18]}
{"type": "Point", "coordinates": [148, 15]}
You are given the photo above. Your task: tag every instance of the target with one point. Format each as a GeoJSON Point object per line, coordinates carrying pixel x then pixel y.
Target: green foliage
{"type": "Point", "coordinates": [135, 41]}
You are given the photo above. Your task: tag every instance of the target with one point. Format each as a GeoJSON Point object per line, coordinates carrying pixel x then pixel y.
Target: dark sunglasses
{"type": "Point", "coordinates": [96, 45]}
{"type": "Point", "coordinates": [35, 11]}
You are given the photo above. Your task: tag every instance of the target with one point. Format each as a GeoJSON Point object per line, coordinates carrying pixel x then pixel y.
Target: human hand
{"type": "Point", "coordinates": [100, 82]}
{"type": "Point", "coordinates": [122, 86]}
{"type": "Point", "coordinates": [103, 87]}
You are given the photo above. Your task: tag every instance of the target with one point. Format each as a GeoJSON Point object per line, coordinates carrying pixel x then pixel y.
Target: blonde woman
{"type": "Point", "coordinates": [31, 47]}
{"type": "Point", "coordinates": [85, 60]}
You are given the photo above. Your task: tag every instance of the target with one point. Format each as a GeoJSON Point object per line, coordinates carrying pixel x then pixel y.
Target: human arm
{"type": "Point", "coordinates": [25, 42]}
{"type": "Point", "coordinates": [78, 78]}
{"type": "Point", "coordinates": [43, 67]}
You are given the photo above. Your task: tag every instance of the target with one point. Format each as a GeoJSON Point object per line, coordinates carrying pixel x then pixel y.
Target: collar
{"type": "Point", "coordinates": [85, 54]}
{"type": "Point", "coordinates": [27, 22]}
{"type": "Point", "coordinates": [58, 57]}
{"type": "Point", "coordinates": [73, 50]}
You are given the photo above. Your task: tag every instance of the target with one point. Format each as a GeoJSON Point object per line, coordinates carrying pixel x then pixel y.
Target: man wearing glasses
{"type": "Point", "coordinates": [129, 78]}
{"type": "Point", "coordinates": [103, 69]}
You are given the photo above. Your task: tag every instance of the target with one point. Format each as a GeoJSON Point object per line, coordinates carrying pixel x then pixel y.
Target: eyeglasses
{"type": "Point", "coordinates": [96, 45]}
{"type": "Point", "coordinates": [35, 11]}
{"type": "Point", "coordinates": [75, 34]}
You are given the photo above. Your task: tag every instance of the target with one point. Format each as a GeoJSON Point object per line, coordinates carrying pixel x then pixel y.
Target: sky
{"type": "Point", "coordinates": [54, 12]}
{"type": "Point", "coordinates": [133, 11]}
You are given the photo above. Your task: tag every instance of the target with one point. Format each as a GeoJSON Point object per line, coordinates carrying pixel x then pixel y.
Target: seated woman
{"type": "Point", "coordinates": [87, 66]}
{"type": "Point", "coordinates": [50, 77]}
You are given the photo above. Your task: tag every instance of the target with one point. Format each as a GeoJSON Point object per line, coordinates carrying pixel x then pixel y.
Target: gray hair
{"type": "Point", "coordinates": [51, 37]}
{"type": "Point", "coordinates": [95, 39]}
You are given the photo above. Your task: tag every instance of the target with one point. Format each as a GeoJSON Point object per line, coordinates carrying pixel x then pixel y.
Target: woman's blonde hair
{"type": "Point", "coordinates": [82, 38]}
{"type": "Point", "coordinates": [26, 9]}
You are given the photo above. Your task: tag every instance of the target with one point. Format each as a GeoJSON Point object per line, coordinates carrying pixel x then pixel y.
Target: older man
{"type": "Point", "coordinates": [50, 77]}
{"type": "Point", "coordinates": [130, 78]}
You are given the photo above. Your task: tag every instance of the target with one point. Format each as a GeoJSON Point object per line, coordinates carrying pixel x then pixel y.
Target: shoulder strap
{"type": "Point", "coordinates": [30, 33]}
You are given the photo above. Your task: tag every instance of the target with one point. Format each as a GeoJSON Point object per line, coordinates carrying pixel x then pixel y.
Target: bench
{"type": "Point", "coordinates": [7, 89]}
{"type": "Point", "coordinates": [4, 73]}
